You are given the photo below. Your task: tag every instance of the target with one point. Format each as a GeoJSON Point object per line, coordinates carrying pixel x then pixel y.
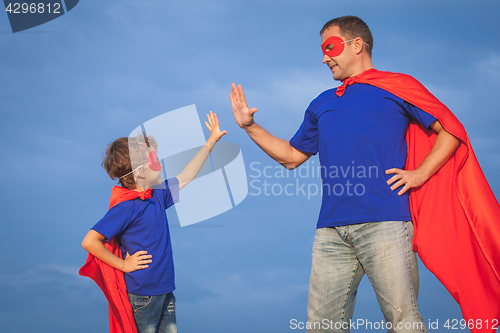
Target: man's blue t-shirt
{"type": "Point", "coordinates": [358, 137]}
{"type": "Point", "coordinates": [141, 225]}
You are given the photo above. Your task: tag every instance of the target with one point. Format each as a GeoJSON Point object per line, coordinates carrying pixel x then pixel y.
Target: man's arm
{"type": "Point", "coordinates": [94, 244]}
{"type": "Point", "coordinates": [444, 147]}
{"type": "Point", "coordinates": [193, 167]}
{"type": "Point", "coordinates": [278, 149]}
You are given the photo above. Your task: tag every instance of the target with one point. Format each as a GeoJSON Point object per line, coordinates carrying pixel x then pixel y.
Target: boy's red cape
{"type": "Point", "coordinates": [455, 213]}
{"type": "Point", "coordinates": [110, 280]}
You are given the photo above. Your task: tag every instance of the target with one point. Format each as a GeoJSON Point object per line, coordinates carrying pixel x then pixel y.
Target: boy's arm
{"type": "Point", "coordinates": [93, 243]}
{"type": "Point", "coordinates": [193, 167]}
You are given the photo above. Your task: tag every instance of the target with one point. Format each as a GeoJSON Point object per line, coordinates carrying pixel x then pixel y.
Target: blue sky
{"type": "Point", "coordinates": [73, 85]}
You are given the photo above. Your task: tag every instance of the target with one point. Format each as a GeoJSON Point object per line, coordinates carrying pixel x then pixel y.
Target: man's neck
{"type": "Point", "coordinates": [364, 65]}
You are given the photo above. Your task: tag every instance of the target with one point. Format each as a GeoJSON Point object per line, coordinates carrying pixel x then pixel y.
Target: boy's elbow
{"type": "Point", "coordinates": [85, 244]}
{"type": "Point", "coordinates": [88, 241]}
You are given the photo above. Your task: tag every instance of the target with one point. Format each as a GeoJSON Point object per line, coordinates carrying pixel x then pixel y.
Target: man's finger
{"type": "Point", "coordinates": [392, 170]}
{"type": "Point", "coordinates": [231, 99]}
{"type": "Point", "coordinates": [242, 94]}
{"type": "Point", "coordinates": [393, 179]}
{"type": "Point", "coordinates": [398, 184]}
{"type": "Point", "coordinates": [404, 189]}
{"type": "Point", "coordinates": [235, 92]}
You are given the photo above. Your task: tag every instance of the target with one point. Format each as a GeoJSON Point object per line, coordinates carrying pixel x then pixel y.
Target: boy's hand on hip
{"type": "Point", "coordinates": [138, 260]}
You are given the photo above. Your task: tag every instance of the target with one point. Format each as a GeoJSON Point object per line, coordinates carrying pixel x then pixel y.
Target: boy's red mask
{"type": "Point", "coordinates": [153, 161]}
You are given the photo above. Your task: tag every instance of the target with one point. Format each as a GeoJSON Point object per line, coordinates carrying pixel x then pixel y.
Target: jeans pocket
{"type": "Point", "coordinates": [139, 302]}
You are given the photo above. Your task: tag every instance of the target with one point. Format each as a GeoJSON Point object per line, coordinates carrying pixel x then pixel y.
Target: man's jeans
{"type": "Point", "coordinates": [340, 258]}
{"type": "Point", "coordinates": [154, 314]}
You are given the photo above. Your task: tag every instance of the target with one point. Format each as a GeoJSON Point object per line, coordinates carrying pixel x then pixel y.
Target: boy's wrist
{"type": "Point", "coordinates": [211, 142]}
{"type": "Point", "coordinates": [123, 265]}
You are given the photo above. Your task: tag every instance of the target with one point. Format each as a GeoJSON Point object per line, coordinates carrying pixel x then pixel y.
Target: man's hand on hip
{"type": "Point", "coordinates": [409, 179]}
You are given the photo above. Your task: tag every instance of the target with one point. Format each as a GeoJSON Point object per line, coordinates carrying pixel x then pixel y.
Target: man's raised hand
{"type": "Point", "coordinates": [242, 114]}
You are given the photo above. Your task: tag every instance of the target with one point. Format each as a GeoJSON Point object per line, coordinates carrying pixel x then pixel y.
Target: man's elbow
{"type": "Point", "coordinates": [290, 165]}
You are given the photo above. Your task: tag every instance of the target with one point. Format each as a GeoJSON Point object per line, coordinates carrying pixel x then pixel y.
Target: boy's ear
{"type": "Point", "coordinates": [138, 171]}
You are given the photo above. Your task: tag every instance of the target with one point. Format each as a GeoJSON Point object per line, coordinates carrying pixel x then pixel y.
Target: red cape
{"type": "Point", "coordinates": [110, 280]}
{"type": "Point", "coordinates": [455, 213]}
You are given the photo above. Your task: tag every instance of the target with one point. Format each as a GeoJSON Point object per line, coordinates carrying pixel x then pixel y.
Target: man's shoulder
{"type": "Point", "coordinates": [326, 95]}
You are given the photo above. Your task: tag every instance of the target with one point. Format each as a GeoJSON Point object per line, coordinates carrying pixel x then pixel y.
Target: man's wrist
{"type": "Point", "coordinates": [424, 175]}
{"type": "Point", "coordinates": [250, 128]}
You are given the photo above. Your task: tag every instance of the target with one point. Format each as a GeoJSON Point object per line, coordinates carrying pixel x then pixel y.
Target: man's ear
{"type": "Point", "coordinates": [358, 45]}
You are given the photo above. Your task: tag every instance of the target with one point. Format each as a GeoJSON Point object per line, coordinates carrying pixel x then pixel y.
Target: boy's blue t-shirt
{"type": "Point", "coordinates": [359, 136]}
{"type": "Point", "coordinates": [141, 225]}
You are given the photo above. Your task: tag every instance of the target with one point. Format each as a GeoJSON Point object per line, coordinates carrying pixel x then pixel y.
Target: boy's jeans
{"type": "Point", "coordinates": [154, 314]}
{"type": "Point", "coordinates": [340, 258]}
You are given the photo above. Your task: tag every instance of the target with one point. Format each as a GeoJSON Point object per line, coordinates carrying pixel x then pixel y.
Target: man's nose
{"type": "Point", "coordinates": [326, 58]}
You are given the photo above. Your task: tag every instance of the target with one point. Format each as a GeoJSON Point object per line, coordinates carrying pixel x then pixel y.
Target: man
{"type": "Point", "coordinates": [366, 233]}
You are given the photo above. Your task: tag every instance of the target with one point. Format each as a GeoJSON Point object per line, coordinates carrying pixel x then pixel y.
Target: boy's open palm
{"type": "Point", "coordinates": [213, 127]}
{"type": "Point", "coordinates": [138, 260]}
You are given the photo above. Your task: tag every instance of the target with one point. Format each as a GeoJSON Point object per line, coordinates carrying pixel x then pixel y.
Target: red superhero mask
{"type": "Point", "coordinates": [337, 46]}
{"type": "Point", "coordinates": [153, 161]}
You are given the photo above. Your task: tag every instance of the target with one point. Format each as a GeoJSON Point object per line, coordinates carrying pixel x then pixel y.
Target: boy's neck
{"type": "Point", "coordinates": [138, 189]}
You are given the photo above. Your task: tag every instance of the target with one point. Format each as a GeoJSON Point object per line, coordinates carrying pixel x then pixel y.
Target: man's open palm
{"type": "Point", "coordinates": [242, 114]}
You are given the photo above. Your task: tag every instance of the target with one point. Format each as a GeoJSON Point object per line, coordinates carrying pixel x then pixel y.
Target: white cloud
{"type": "Point", "coordinates": [53, 274]}
{"type": "Point", "coordinates": [490, 67]}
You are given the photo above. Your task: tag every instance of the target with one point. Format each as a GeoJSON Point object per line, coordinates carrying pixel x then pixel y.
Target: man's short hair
{"type": "Point", "coordinates": [352, 27]}
{"type": "Point", "coordinates": [124, 152]}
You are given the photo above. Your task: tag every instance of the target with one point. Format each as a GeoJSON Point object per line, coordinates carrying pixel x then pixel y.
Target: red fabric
{"type": "Point", "coordinates": [346, 83]}
{"type": "Point", "coordinates": [111, 280]}
{"type": "Point", "coordinates": [455, 213]}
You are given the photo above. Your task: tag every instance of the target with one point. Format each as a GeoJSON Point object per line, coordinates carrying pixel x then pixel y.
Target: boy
{"type": "Point", "coordinates": [137, 220]}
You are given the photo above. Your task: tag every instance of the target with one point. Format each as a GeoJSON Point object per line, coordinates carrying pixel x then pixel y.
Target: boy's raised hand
{"type": "Point", "coordinates": [138, 260]}
{"type": "Point", "coordinates": [213, 127]}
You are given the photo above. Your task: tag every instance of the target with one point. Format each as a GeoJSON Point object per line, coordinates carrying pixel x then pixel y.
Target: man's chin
{"type": "Point", "coordinates": [337, 77]}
